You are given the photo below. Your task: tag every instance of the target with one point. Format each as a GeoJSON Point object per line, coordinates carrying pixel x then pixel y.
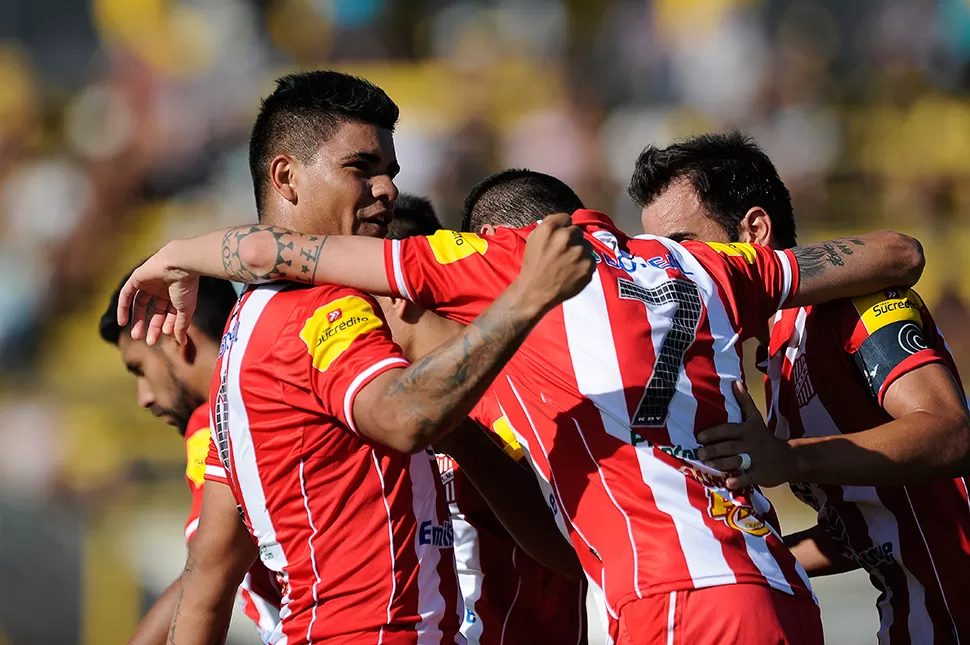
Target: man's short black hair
{"type": "Point", "coordinates": [413, 215]}
{"type": "Point", "coordinates": [304, 110]}
{"type": "Point", "coordinates": [212, 310]}
{"type": "Point", "coordinates": [730, 175]}
{"type": "Point", "coordinates": [515, 198]}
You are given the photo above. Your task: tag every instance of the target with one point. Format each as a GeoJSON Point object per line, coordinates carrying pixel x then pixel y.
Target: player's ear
{"type": "Point", "coordinates": [283, 177]}
{"type": "Point", "coordinates": [487, 229]}
{"type": "Point", "coordinates": [755, 227]}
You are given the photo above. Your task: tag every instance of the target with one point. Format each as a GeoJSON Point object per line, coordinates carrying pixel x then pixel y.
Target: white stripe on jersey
{"type": "Point", "coordinates": [402, 285]}
{"type": "Point", "coordinates": [929, 554]}
{"type": "Point", "coordinates": [390, 541]}
{"type": "Point", "coordinates": [518, 589]}
{"type": "Point", "coordinates": [786, 274]}
{"type": "Point", "coordinates": [431, 604]}
{"type": "Point", "coordinates": [313, 555]}
{"type": "Point", "coordinates": [355, 386]}
{"type": "Point", "coordinates": [245, 469]}
{"type": "Point", "coordinates": [883, 528]}
{"type": "Point", "coordinates": [269, 614]}
{"type": "Point", "coordinates": [671, 615]}
{"type": "Point", "coordinates": [470, 576]}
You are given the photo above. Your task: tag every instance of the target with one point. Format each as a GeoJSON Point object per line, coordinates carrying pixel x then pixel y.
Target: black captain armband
{"type": "Point", "coordinates": [893, 332]}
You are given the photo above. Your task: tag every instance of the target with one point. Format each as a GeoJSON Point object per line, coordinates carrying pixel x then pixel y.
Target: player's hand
{"type": "Point", "coordinates": [558, 262]}
{"type": "Point", "coordinates": [174, 291]}
{"type": "Point", "coordinates": [773, 461]}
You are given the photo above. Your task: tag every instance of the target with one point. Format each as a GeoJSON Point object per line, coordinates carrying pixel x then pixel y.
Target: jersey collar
{"type": "Point", "coordinates": [585, 217]}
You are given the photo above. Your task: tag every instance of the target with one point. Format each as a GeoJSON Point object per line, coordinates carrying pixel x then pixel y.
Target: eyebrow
{"type": "Point", "coordinates": [393, 168]}
{"type": "Point", "coordinates": [681, 236]}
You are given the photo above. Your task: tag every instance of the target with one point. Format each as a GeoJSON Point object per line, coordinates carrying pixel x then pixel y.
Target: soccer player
{"type": "Point", "coordinates": [649, 349]}
{"type": "Point", "coordinates": [509, 597]}
{"type": "Point", "coordinates": [864, 399]}
{"type": "Point", "coordinates": [173, 382]}
{"type": "Point", "coordinates": [321, 423]}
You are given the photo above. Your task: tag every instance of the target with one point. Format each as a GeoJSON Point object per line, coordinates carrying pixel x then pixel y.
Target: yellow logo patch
{"type": "Point", "coordinates": [886, 307]}
{"type": "Point", "coordinates": [737, 249]}
{"type": "Point", "coordinates": [196, 450]}
{"type": "Point", "coordinates": [451, 246]}
{"type": "Point", "coordinates": [512, 447]}
{"type": "Point", "coordinates": [333, 327]}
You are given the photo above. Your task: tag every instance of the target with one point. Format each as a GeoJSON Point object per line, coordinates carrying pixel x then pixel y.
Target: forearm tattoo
{"type": "Point", "coordinates": [813, 259]}
{"type": "Point", "coordinates": [297, 256]}
{"type": "Point", "coordinates": [175, 617]}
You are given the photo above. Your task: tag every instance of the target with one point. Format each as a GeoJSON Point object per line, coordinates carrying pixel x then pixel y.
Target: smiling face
{"type": "Point", "coordinates": [347, 187]}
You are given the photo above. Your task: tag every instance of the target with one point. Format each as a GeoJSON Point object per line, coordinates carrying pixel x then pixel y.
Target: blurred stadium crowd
{"type": "Point", "coordinates": [124, 123]}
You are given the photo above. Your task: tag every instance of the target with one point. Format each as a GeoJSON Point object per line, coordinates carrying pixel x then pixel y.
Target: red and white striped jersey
{"type": "Point", "coordinates": [510, 599]}
{"type": "Point", "coordinates": [358, 534]}
{"type": "Point", "coordinates": [259, 594]}
{"type": "Point", "coordinates": [829, 368]}
{"type": "Point", "coordinates": [608, 392]}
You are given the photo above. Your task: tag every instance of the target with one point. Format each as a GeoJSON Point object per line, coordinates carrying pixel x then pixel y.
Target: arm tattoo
{"type": "Point", "coordinates": [435, 390]}
{"type": "Point", "coordinates": [175, 617]}
{"type": "Point", "coordinates": [288, 254]}
{"type": "Point", "coordinates": [813, 258]}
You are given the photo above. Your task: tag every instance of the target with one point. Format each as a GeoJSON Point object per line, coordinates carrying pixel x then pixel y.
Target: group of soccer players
{"type": "Point", "coordinates": [449, 437]}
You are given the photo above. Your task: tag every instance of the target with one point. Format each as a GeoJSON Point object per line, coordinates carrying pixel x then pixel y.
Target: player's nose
{"type": "Point", "coordinates": [145, 397]}
{"type": "Point", "coordinates": [384, 189]}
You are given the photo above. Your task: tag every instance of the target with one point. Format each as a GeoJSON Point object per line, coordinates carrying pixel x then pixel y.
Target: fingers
{"type": "Point", "coordinates": [726, 464]}
{"type": "Point", "coordinates": [556, 221]}
{"type": "Point", "coordinates": [181, 327]}
{"type": "Point", "coordinates": [155, 326]}
{"type": "Point", "coordinates": [125, 299]}
{"type": "Point", "coordinates": [723, 432]}
{"type": "Point", "coordinates": [748, 406]}
{"type": "Point", "coordinates": [740, 482]}
{"type": "Point", "coordinates": [720, 450]}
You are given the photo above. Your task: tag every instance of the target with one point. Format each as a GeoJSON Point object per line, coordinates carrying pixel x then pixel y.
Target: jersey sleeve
{"type": "Point", "coordinates": [454, 274]}
{"type": "Point", "coordinates": [215, 471]}
{"type": "Point", "coordinates": [757, 280]}
{"type": "Point", "coordinates": [885, 333]}
{"type": "Point", "coordinates": [342, 343]}
{"type": "Point", "coordinates": [197, 442]}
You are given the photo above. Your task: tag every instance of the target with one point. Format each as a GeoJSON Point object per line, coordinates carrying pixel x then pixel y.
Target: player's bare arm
{"type": "Point", "coordinates": [854, 266]}
{"type": "Point", "coordinates": [818, 554]}
{"type": "Point", "coordinates": [153, 628]}
{"type": "Point", "coordinates": [220, 554]}
{"type": "Point", "coordinates": [513, 494]}
{"type": "Point", "coordinates": [928, 439]}
{"type": "Point", "coordinates": [411, 408]}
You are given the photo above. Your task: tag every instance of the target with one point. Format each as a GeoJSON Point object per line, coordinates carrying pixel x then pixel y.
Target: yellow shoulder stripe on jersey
{"type": "Point", "coordinates": [451, 246]}
{"type": "Point", "coordinates": [886, 307]}
{"type": "Point", "coordinates": [512, 447]}
{"type": "Point", "coordinates": [333, 327]}
{"type": "Point", "coordinates": [736, 249]}
{"type": "Point", "coordinates": [196, 450]}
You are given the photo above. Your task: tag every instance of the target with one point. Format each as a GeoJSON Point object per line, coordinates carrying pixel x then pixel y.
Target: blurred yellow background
{"type": "Point", "coordinates": [124, 123]}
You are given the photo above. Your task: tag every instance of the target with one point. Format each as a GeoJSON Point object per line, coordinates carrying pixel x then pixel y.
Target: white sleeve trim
{"type": "Point", "coordinates": [191, 529]}
{"type": "Point", "coordinates": [358, 383]}
{"type": "Point", "coordinates": [216, 471]}
{"type": "Point", "coordinates": [786, 273]}
{"type": "Point", "coordinates": [402, 285]}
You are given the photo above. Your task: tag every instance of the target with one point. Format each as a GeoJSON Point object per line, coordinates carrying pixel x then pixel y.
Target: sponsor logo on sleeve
{"type": "Point", "coordinates": [333, 327]}
{"type": "Point", "coordinates": [451, 246]}
{"type": "Point", "coordinates": [196, 450]}
{"type": "Point", "coordinates": [884, 308]}
{"type": "Point", "coordinates": [735, 249]}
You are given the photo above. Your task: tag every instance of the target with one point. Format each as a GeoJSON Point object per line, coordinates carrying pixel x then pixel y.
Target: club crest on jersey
{"type": "Point", "coordinates": [738, 516]}
{"type": "Point", "coordinates": [451, 246]}
{"type": "Point", "coordinates": [333, 327]}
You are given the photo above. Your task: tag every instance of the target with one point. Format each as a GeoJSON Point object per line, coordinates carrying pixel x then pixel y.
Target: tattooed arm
{"type": "Point", "coordinates": [855, 266]}
{"type": "Point", "coordinates": [411, 408]}
{"type": "Point", "coordinates": [153, 628]}
{"type": "Point", "coordinates": [220, 554]}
